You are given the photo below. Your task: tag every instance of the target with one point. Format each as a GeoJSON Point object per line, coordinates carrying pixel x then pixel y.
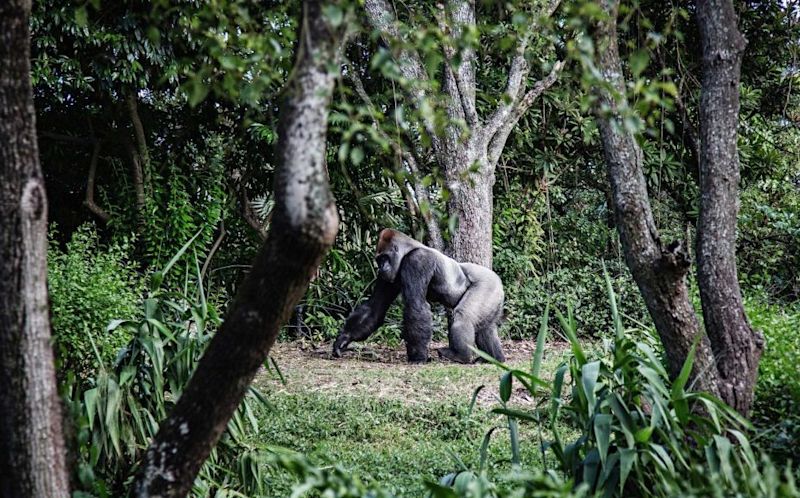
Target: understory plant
{"type": "Point", "coordinates": [89, 285]}
{"type": "Point", "coordinates": [118, 415]}
{"type": "Point", "coordinates": [639, 433]}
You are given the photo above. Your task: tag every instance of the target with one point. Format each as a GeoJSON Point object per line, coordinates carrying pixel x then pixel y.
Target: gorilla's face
{"type": "Point", "coordinates": [388, 264]}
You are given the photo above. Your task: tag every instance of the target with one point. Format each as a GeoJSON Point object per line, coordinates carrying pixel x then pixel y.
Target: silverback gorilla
{"type": "Point", "coordinates": [422, 274]}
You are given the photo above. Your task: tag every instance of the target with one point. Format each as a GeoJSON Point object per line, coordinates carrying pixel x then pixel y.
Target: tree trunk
{"type": "Point", "coordinates": [468, 163]}
{"type": "Point", "coordinates": [31, 439]}
{"type": "Point", "coordinates": [659, 270]}
{"type": "Point", "coordinates": [737, 347]}
{"type": "Point", "coordinates": [304, 225]}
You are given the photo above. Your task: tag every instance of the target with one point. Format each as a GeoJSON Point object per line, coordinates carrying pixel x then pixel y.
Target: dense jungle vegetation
{"type": "Point", "coordinates": [217, 175]}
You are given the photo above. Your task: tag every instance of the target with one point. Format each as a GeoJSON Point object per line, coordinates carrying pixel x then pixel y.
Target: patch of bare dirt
{"type": "Point", "coordinates": [382, 372]}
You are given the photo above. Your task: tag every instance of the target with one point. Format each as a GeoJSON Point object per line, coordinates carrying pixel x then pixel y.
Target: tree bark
{"type": "Point", "coordinates": [658, 269]}
{"type": "Point", "coordinates": [469, 163]}
{"type": "Point", "coordinates": [31, 439]}
{"type": "Point", "coordinates": [737, 347]}
{"type": "Point", "coordinates": [303, 228]}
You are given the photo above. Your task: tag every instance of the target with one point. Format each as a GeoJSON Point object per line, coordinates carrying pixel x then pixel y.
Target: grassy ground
{"type": "Point", "coordinates": [383, 419]}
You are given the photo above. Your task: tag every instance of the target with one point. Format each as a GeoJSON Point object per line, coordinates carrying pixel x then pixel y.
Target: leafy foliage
{"type": "Point", "coordinates": [776, 413]}
{"type": "Point", "coordinates": [119, 413]}
{"type": "Point", "coordinates": [639, 433]}
{"type": "Point", "coordinates": [90, 284]}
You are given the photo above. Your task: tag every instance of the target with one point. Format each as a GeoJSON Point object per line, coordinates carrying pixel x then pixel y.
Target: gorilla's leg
{"type": "Point", "coordinates": [367, 317]}
{"type": "Point", "coordinates": [475, 322]}
{"type": "Point", "coordinates": [488, 341]}
{"type": "Point", "coordinates": [415, 276]}
{"type": "Point", "coordinates": [461, 337]}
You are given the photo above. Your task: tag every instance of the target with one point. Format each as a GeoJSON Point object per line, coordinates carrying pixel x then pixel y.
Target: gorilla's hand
{"type": "Point", "coordinates": [340, 344]}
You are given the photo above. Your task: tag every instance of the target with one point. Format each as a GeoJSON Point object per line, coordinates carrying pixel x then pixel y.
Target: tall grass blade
{"type": "Point", "coordinates": [540, 340]}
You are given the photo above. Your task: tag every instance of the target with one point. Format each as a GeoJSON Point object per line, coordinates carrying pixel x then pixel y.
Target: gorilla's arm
{"type": "Point", "coordinates": [368, 316]}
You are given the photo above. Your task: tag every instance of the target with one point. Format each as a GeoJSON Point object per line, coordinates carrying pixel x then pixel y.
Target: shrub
{"type": "Point", "coordinates": [560, 259]}
{"type": "Point", "coordinates": [640, 434]}
{"type": "Point", "coordinates": [90, 284]}
{"type": "Point", "coordinates": [776, 411]}
{"type": "Point", "coordinates": [119, 414]}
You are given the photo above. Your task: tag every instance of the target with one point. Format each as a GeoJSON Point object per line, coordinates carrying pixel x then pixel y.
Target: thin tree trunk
{"type": "Point", "coordinates": [137, 178]}
{"type": "Point", "coordinates": [31, 439]}
{"type": "Point", "coordinates": [303, 228]}
{"type": "Point", "coordinates": [737, 347]}
{"type": "Point", "coordinates": [658, 269]}
{"type": "Point", "coordinates": [89, 201]}
{"type": "Point", "coordinates": [141, 141]}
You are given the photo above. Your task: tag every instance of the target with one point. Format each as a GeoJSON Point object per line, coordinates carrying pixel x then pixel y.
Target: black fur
{"type": "Point", "coordinates": [422, 274]}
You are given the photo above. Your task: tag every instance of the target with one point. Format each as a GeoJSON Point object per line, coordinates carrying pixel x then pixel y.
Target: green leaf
{"type": "Point", "coordinates": [178, 255]}
{"type": "Point", "coordinates": [639, 61]}
{"type": "Point", "coordinates": [519, 414]}
{"type": "Point", "coordinates": [612, 299]}
{"type": "Point", "coordinates": [602, 433]}
{"type": "Point", "coordinates": [591, 467]}
{"type": "Point", "coordinates": [81, 16]}
{"type": "Point", "coordinates": [127, 374]}
{"type": "Point", "coordinates": [505, 386]}
{"type": "Point", "coordinates": [625, 419]}
{"type": "Point", "coordinates": [540, 340]}
{"type": "Point", "coordinates": [643, 435]}
{"type": "Point", "coordinates": [198, 90]}
{"type": "Point", "coordinates": [334, 14]}
{"type": "Point", "coordinates": [90, 403]}
{"type": "Point", "coordinates": [356, 155]}
{"type": "Point", "coordinates": [569, 327]}
{"type": "Point", "coordinates": [513, 432]}
{"type": "Point", "coordinates": [678, 394]}
{"type": "Point", "coordinates": [484, 451]}
{"type": "Point", "coordinates": [627, 457]}
{"type": "Point", "coordinates": [589, 374]}
{"type": "Point", "coordinates": [724, 453]}
{"type": "Point", "coordinates": [474, 399]}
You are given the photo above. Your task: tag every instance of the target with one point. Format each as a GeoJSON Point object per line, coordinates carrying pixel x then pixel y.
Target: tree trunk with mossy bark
{"type": "Point", "coordinates": [303, 228]}
{"type": "Point", "coordinates": [31, 438]}
{"type": "Point", "coordinates": [737, 347]}
{"type": "Point", "coordinates": [659, 268]}
{"type": "Point", "coordinates": [469, 162]}
{"type": "Point", "coordinates": [728, 350]}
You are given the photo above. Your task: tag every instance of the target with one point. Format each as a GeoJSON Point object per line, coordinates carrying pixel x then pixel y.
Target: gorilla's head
{"type": "Point", "coordinates": [392, 246]}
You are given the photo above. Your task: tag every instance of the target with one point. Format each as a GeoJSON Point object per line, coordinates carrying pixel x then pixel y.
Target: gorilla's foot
{"type": "Point", "coordinates": [453, 355]}
{"type": "Point", "coordinates": [418, 359]}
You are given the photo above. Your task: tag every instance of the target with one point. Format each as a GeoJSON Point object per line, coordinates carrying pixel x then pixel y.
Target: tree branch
{"type": "Point", "coordinates": [141, 142]}
{"type": "Point", "coordinates": [246, 209]}
{"type": "Point", "coordinates": [458, 15]}
{"type": "Point", "coordinates": [423, 194]}
{"type": "Point", "coordinates": [90, 181]}
{"type": "Point", "coordinates": [380, 15]}
{"type": "Point", "coordinates": [497, 141]}
{"type": "Point", "coordinates": [303, 228]}
{"type": "Point", "coordinates": [136, 178]}
{"type": "Point", "coordinates": [213, 250]}
{"type": "Point", "coordinates": [516, 81]}
{"type": "Point", "coordinates": [658, 269]}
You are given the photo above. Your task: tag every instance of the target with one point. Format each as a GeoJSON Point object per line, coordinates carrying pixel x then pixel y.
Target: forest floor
{"type": "Point", "coordinates": [382, 418]}
{"type": "Point", "coordinates": [381, 372]}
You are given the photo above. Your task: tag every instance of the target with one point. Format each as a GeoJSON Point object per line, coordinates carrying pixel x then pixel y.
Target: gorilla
{"type": "Point", "coordinates": [474, 294]}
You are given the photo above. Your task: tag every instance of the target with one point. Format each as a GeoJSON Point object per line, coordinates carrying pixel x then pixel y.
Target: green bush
{"type": "Point", "coordinates": [776, 411]}
{"type": "Point", "coordinates": [639, 433]}
{"type": "Point", "coordinates": [119, 413]}
{"type": "Point", "coordinates": [559, 258]}
{"type": "Point", "coordinates": [90, 284]}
